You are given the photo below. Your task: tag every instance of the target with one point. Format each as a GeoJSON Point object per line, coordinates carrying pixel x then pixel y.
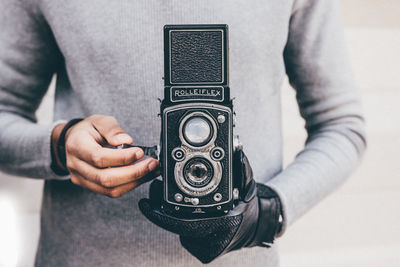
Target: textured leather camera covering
{"type": "Point", "coordinates": [196, 56]}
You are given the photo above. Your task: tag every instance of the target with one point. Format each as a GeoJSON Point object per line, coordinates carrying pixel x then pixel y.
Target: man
{"type": "Point", "coordinates": [108, 59]}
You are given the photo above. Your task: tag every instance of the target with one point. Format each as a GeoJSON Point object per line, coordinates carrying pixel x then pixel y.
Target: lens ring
{"type": "Point", "coordinates": [217, 153]}
{"type": "Point", "coordinates": [178, 154]}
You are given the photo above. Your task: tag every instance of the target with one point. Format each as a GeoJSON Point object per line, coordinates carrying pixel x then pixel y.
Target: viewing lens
{"type": "Point", "coordinates": [197, 131]}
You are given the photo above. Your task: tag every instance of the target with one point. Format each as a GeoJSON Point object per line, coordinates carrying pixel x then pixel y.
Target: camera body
{"type": "Point", "coordinates": [197, 121]}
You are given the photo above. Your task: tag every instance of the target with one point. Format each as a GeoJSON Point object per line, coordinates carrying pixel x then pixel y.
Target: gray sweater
{"type": "Point", "coordinates": [108, 57]}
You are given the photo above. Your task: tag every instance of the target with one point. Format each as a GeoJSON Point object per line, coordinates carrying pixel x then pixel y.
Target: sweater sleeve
{"type": "Point", "coordinates": [318, 68]}
{"type": "Point", "coordinates": [28, 59]}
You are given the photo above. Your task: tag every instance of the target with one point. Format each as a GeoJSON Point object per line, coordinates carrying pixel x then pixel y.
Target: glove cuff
{"type": "Point", "coordinates": [269, 217]}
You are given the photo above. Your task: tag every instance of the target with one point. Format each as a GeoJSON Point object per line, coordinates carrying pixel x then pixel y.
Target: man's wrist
{"type": "Point", "coordinates": [59, 163]}
{"type": "Point", "coordinates": [56, 164]}
{"type": "Point", "coordinates": [270, 214]}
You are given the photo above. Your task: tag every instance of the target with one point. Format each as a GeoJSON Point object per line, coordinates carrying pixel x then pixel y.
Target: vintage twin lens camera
{"type": "Point", "coordinates": [197, 121]}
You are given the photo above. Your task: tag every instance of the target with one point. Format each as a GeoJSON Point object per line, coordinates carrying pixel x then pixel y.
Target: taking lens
{"type": "Point", "coordinates": [197, 131]}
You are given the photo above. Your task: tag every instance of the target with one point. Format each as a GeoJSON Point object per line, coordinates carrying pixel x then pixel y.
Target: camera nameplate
{"type": "Point", "coordinates": [196, 93]}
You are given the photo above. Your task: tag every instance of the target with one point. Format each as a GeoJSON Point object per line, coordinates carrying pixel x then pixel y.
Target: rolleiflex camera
{"type": "Point", "coordinates": [197, 121]}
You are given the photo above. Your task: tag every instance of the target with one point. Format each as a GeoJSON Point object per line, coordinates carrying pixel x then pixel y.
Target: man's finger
{"type": "Point", "coordinates": [102, 157]}
{"type": "Point", "coordinates": [110, 192]}
{"type": "Point", "coordinates": [110, 129]}
{"type": "Point", "coordinates": [85, 144]}
{"type": "Point", "coordinates": [115, 176]}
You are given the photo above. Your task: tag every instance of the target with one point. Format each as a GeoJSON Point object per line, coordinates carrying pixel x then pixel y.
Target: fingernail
{"type": "Point", "coordinates": [139, 154]}
{"type": "Point", "coordinates": [123, 138]}
{"type": "Point", "coordinates": [152, 165]}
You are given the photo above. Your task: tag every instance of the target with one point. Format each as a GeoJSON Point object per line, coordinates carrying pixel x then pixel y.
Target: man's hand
{"type": "Point", "coordinates": [107, 171]}
{"type": "Point", "coordinates": [253, 222]}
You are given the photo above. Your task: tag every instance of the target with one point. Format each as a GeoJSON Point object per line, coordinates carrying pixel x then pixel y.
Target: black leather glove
{"type": "Point", "coordinates": [253, 222]}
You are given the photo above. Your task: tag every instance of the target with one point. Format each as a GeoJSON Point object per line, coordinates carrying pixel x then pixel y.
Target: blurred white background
{"type": "Point", "coordinates": [358, 225]}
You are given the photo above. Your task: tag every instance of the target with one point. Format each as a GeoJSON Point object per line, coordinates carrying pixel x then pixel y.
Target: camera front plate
{"type": "Point", "coordinates": [179, 193]}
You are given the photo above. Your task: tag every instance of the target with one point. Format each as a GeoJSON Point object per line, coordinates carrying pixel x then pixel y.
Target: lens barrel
{"type": "Point", "coordinates": [198, 172]}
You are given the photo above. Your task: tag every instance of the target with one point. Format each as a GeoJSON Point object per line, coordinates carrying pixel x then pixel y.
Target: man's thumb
{"type": "Point", "coordinates": [109, 129]}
